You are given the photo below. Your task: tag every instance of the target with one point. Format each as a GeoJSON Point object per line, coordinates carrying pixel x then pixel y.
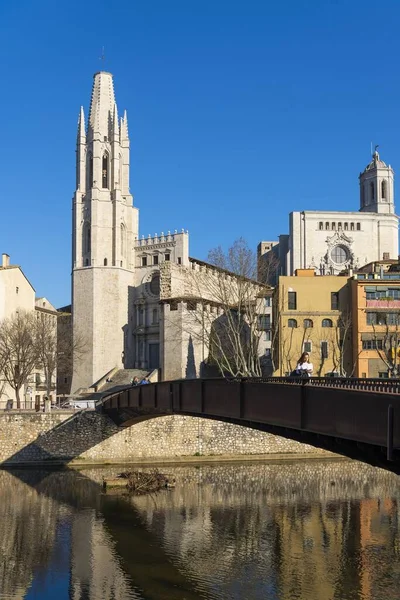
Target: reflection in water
{"type": "Point", "coordinates": [303, 531]}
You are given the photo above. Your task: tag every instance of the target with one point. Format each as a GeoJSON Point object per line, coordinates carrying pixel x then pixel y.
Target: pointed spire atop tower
{"type": "Point", "coordinates": [102, 103]}
{"type": "Point", "coordinates": [81, 136]}
{"type": "Point", "coordinates": [124, 127]}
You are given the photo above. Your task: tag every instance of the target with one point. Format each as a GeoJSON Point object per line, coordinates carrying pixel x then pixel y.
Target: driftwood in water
{"type": "Point", "coordinates": [114, 483]}
{"type": "Point", "coordinates": [140, 482]}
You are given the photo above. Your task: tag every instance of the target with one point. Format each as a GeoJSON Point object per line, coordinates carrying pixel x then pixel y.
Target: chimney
{"type": "Point", "coordinates": [5, 260]}
{"type": "Point", "coordinates": [386, 256]}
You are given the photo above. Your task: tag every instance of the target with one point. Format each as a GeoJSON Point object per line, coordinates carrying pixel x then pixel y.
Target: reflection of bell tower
{"type": "Point", "coordinates": [376, 187]}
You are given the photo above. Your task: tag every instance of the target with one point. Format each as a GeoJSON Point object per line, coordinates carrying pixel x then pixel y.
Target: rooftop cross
{"type": "Point", "coordinates": [102, 58]}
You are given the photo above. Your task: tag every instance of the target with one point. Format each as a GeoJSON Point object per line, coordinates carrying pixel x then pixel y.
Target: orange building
{"type": "Point", "coordinates": [376, 323]}
{"type": "Point", "coordinates": [312, 315]}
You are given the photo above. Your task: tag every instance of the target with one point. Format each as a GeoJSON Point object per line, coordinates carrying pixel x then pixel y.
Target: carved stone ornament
{"type": "Point", "coordinates": [151, 284]}
{"type": "Point", "coordinates": [339, 253]}
{"type": "Point", "coordinates": [339, 237]}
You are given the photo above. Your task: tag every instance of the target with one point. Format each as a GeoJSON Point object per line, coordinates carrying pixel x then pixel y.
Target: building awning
{"type": "Point", "coordinates": [371, 336]}
{"type": "Point", "coordinates": [376, 288]}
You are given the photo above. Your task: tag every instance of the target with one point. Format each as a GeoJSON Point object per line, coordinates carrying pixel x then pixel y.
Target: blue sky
{"type": "Point", "coordinates": [239, 112]}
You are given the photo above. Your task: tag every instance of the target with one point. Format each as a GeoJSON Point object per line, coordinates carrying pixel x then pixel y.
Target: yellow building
{"type": "Point", "coordinates": [312, 314]}
{"type": "Point", "coordinates": [376, 323]}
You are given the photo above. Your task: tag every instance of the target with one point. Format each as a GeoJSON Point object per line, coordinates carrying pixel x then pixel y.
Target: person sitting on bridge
{"type": "Point", "coordinates": [135, 381]}
{"type": "Point", "coordinates": [304, 367]}
{"type": "Point", "coordinates": [145, 381]}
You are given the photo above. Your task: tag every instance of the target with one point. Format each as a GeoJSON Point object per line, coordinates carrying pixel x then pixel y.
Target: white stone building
{"type": "Point", "coordinates": [116, 273]}
{"type": "Point", "coordinates": [332, 241]}
{"type": "Point", "coordinates": [18, 294]}
{"type": "Point", "coordinates": [193, 303]}
{"type": "Point", "coordinates": [16, 291]}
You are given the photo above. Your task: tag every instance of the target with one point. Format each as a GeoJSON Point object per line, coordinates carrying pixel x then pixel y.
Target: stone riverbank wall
{"type": "Point", "coordinates": [93, 437]}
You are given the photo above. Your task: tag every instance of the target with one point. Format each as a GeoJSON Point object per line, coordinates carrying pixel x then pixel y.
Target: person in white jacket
{"type": "Point", "coordinates": [304, 367]}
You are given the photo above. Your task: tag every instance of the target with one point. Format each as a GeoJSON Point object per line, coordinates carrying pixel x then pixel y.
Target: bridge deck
{"type": "Point", "coordinates": [339, 410]}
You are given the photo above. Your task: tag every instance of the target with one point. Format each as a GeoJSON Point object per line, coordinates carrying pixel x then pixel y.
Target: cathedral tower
{"type": "Point", "coordinates": [376, 187]}
{"type": "Point", "coordinates": [105, 227]}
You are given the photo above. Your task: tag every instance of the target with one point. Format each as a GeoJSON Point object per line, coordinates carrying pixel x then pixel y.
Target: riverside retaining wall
{"type": "Point", "coordinates": [93, 437]}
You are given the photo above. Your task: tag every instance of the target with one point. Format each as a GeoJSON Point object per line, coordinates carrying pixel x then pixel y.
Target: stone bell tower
{"type": "Point", "coordinates": [105, 227]}
{"type": "Point", "coordinates": [376, 187]}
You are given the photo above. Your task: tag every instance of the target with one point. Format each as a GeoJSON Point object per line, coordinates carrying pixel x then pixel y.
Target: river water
{"type": "Point", "coordinates": [309, 530]}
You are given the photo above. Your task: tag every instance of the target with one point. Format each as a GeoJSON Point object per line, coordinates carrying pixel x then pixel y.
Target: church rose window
{"type": "Point", "coordinates": [339, 255]}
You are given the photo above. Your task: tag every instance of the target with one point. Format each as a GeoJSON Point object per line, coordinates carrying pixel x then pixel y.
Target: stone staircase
{"type": "Point", "coordinates": [120, 379]}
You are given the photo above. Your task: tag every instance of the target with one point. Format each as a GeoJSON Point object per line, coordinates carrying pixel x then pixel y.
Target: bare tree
{"type": "Point", "coordinates": [224, 302]}
{"type": "Point", "coordinates": [292, 346]}
{"type": "Point", "coordinates": [289, 354]}
{"type": "Point", "coordinates": [18, 351]}
{"type": "Point", "coordinates": [55, 346]}
{"type": "Point", "coordinates": [343, 361]}
{"type": "Point", "coordinates": [336, 339]}
{"type": "Point", "coordinates": [268, 267]}
{"type": "Point", "coordinates": [387, 345]}
{"type": "Point", "coordinates": [46, 345]}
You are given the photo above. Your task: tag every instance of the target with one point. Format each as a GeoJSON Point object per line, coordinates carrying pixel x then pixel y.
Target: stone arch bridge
{"type": "Point", "coordinates": [359, 418]}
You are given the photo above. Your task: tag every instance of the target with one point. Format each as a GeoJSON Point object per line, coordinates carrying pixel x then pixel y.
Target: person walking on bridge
{"type": "Point", "coordinates": [304, 367]}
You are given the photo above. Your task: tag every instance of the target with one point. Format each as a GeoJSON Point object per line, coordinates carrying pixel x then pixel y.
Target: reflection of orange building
{"type": "Point", "coordinates": [321, 543]}
{"type": "Point", "coordinates": [375, 541]}
{"type": "Point", "coordinates": [311, 542]}
{"type": "Point", "coordinates": [376, 323]}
